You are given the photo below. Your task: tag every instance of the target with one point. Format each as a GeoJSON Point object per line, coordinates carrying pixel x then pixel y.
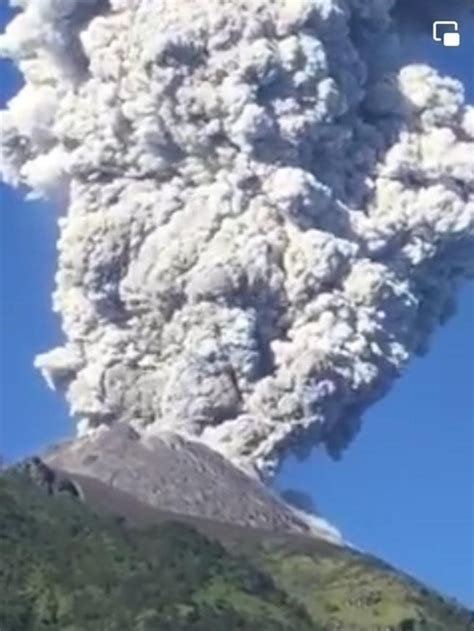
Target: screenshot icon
{"type": "Point", "coordinates": [449, 38]}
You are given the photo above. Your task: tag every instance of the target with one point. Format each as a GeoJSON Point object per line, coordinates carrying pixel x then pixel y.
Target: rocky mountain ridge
{"type": "Point", "coordinates": [186, 477]}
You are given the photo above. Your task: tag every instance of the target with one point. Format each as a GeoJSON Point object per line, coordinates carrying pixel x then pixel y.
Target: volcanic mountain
{"type": "Point", "coordinates": [79, 553]}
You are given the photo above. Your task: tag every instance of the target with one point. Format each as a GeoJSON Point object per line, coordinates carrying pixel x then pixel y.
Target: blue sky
{"type": "Point", "coordinates": [403, 491]}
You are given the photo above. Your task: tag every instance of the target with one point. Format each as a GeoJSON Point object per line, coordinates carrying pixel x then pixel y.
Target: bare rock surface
{"type": "Point", "coordinates": [173, 474]}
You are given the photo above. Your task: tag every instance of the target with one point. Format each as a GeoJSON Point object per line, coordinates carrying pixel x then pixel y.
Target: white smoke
{"type": "Point", "coordinates": [267, 217]}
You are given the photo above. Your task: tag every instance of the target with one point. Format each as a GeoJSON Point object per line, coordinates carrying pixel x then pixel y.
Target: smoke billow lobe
{"type": "Point", "coordinates": [267, 216]}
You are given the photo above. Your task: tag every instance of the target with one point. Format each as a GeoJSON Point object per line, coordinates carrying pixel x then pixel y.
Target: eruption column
{"type": "Point", "coordinates": [267, 215]}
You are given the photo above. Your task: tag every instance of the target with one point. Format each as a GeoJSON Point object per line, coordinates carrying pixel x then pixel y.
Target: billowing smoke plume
{"type": "Point", "coordinates": [266, 216]}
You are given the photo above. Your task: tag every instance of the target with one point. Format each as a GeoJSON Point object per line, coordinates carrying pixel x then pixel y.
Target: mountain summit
{"type": "Point", "coordinates": [183, 476]}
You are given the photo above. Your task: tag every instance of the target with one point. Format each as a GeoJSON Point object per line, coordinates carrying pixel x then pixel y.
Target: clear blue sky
{"type": "Point", "coordinates": [403, 491]}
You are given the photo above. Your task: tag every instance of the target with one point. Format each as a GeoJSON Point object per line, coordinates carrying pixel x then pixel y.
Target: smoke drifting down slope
{"type": "Point", "coordinates": [267, 217]}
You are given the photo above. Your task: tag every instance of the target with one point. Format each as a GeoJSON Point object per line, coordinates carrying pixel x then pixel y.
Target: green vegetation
{"type": "Point", "coordinates": [340, 587]}
{"type": "Point", "coordinates": [64, 568]}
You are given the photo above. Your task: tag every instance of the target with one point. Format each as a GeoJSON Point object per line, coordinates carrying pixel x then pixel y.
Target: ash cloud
{"type": "Point", "coordinates": [267, 215]}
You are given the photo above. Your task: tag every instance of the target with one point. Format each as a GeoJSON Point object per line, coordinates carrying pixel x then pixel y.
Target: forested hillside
{"type": "Point", "coordinates": [65, 568]}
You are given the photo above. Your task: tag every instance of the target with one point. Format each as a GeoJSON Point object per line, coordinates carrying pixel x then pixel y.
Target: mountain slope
{"type": "Point", "coordinates": [183, 476]}
{"type": "Point", "coordinates": [65, 568]}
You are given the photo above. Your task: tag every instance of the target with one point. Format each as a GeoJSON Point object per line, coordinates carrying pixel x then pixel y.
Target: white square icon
{"type": "Point", "coordinates": [450, 38]}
